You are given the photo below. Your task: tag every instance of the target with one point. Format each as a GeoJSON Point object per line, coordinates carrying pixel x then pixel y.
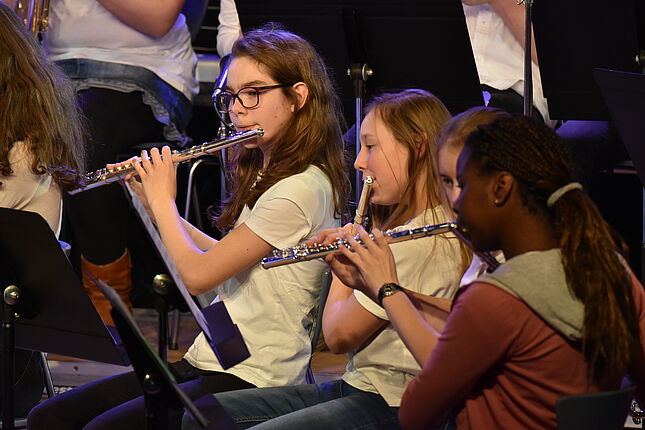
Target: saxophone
{"type": "Point", "coordinates": [34, 14]}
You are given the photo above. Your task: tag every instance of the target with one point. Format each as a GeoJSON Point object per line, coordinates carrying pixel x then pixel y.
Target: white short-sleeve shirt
{"type": "Point", "coordinates": [272, 307]}
{"type": "Point", "coordinates": [499, 56]}
{"type": "Point", "coordinates": [27, 191]}
{"type": "Point", "coordinates": [430, 266]}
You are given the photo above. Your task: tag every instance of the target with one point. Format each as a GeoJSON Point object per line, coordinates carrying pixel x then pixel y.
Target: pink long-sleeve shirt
{"type": "Point", "coordinates": [498, 365]}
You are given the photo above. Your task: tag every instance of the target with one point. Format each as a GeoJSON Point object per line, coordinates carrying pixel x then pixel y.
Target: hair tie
{"type": "Point", "coordinates": [555, 196]}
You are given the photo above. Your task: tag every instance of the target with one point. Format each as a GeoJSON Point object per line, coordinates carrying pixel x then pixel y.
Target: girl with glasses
{"type": "Point", "coordinates": [287, 186]}
{"type": "Point", "coordinates": [398, 137]}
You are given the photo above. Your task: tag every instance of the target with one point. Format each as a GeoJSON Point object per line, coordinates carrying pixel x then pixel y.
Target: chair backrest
{"type": "Point", "coordinates": [599, 411]}
{"type": "Point", "coordinates": [316, 328]}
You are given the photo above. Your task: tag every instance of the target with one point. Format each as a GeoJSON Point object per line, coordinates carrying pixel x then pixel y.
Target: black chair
{"type": "Point", "coordinates": [316, 328]}
{"type": "Point", "coordinates": [599, 411]}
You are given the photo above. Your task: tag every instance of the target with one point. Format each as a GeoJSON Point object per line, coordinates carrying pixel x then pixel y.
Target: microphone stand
{"type": "Point", "coordinates": [359, 73]}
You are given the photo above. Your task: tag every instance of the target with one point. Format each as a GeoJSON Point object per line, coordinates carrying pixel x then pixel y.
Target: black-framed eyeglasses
{"type": "Point", "coordinates": [249, 97]}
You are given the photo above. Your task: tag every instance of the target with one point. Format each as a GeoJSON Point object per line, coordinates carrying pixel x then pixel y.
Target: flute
{"type": "Point", "coordinates": [361, 210]}
{"type": "Point", "coordinates": [486, 257]}
{"type": "Point", "coordinates": [107, 176]}
{"type": "Point", "coordinates": [303, 252]}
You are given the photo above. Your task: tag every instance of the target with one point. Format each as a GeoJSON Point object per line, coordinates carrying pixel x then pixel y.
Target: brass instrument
{"type": "Point", "coordinates": [303, 252]}
{"type": "Point", "coordinates": [361, 210]}
{"type": "Point", "coordinates": [34, 14]}
{"type": "Point", "coordinates": [107, 176]}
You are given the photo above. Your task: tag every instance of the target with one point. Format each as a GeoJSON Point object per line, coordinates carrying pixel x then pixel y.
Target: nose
{"type": "Point", "coordinates": [237, 108]}
{"type": "Point", "coordinates": [456, 203]}
{"type": "Point", "coordinates": [453, 195]}
{"type": "Point", "coordinates": [360, 163]}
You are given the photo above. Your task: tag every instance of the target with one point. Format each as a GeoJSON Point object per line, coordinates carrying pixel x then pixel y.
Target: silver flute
{"type": "Point", "coordinates": [361, 210]}
{"type": "Point", "coordinates": [107, 176]}
{"type": "Point", "coordinates": [303, 252]}
{"type": "Point", "coordinates": [486, 257]}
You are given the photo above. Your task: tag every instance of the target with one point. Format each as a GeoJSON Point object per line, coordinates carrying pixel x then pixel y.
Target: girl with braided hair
{"type": "Point", "coordinates": [562, 316]}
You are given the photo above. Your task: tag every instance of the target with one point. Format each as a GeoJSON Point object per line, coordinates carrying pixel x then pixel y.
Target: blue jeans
{"type": "Point", "coordinates": [177, 106]}
{"type": "Point", "coordinates": [332, 405]}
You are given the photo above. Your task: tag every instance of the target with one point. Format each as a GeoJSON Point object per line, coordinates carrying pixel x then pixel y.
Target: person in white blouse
{"type": "Point", "coordinates": [229, 29]}
{"type": "Point", "coordinates": [496, 30]}
{"type": "Point", "coordinates": [41, 153]}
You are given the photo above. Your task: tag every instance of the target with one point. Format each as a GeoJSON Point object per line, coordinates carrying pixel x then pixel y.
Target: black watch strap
{"type": "Point", "coordinates": [387, 290]}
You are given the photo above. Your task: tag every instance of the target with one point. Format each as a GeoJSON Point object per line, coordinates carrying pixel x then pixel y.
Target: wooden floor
{"type": "Point", "coordinates": [69, 372]}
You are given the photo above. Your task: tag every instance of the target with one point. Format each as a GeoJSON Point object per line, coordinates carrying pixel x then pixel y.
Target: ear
{"type": "Point", "coordinates": [503, 184]}
{"type": "Point", "coordinates": [302, 92]}
{"type": "Point", "coordinates": [419, 146]}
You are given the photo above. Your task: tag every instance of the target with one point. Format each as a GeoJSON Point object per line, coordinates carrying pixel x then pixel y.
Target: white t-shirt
{"type": "Point", "coordinates": [430, 266]}
{"type": "Point", "coordinates": [499, 56]}
{"type": "Point", "coordinates": [85, 29]}
{"type": "Point", "coordinates": [26, 191]}
{"type": "Point", "coordinates": [272, 307]}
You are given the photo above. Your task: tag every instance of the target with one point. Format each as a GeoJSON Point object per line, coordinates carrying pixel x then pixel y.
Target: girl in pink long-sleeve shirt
{"type": "Point", "coordinates": [562, 316]}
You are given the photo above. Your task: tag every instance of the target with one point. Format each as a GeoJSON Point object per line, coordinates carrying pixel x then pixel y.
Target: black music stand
{"type": "Point", "coordinates": [161, 391]}
{"type": "Point", "coordinates": [624, 94]}
{"type": "Point", "coordinates": [382, 45]}
{"type": "Point", "coordinates": [221, 333]}
{"type": "Point", "coordinates": [45, 307]}
{"type": "Point", "coordinates": [572, 39]}
{"type": "Point", "coordinates": [407, 44]}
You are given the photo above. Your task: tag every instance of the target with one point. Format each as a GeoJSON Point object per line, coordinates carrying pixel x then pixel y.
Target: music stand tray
{"type": "Point", "coordinates": [55, 313]}
{"type": "Point", "coordinates": [161, 391]}
{"type": "Point", "coordinates": [44, 307]}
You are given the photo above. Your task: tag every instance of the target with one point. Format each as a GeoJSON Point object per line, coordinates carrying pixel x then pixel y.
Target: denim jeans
{"type": "Point", "coordinates": [332, 405]}
{"type": "Point", "coordinates": [178, 107]}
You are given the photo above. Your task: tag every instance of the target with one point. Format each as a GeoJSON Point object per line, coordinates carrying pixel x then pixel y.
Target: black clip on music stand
{"type": "Point", "coordinates": [45, 307]}
{"type": "Point", "coordinates": [160, 390]}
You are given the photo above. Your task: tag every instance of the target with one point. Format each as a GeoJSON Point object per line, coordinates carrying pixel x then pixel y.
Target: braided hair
{"type": "Point", "coordinates": [540, 163]}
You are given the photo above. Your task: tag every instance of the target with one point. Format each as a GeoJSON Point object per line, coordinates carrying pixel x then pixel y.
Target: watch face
{"type": "Point", "coordinates": [389, 289]}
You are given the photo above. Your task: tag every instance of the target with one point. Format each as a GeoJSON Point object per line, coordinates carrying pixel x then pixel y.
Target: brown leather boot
{"type": "Point", "coordinates": [117, 275]}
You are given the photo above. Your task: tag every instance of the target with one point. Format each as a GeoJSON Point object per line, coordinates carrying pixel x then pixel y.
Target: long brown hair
{"type": "Point", "coordinates": [37, 107]}
{"type": "Point", "coordinates": [460, 126]}
{"type": "Point", "coordinates": [313, 135]}
{"type": "Point", "coordinates": [454, 134]}
{"type": "Point", "coordinates": [540, 163]}
{"type": "Point", "coordinates": [415, 118]}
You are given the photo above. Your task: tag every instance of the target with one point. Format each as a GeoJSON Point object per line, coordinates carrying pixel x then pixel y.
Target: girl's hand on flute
{"type": "Point", "coordinates": [345, 271]}
{"type": "Point", "coordinates": [374, 261]}
{"type": "Point", "coordinates": [157, 174]}
{"type": "Point", "coordinates": [330, 235]}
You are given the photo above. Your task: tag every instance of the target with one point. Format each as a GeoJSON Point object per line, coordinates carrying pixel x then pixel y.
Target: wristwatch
{"type": "Point", "coordinates": [387, 290]}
